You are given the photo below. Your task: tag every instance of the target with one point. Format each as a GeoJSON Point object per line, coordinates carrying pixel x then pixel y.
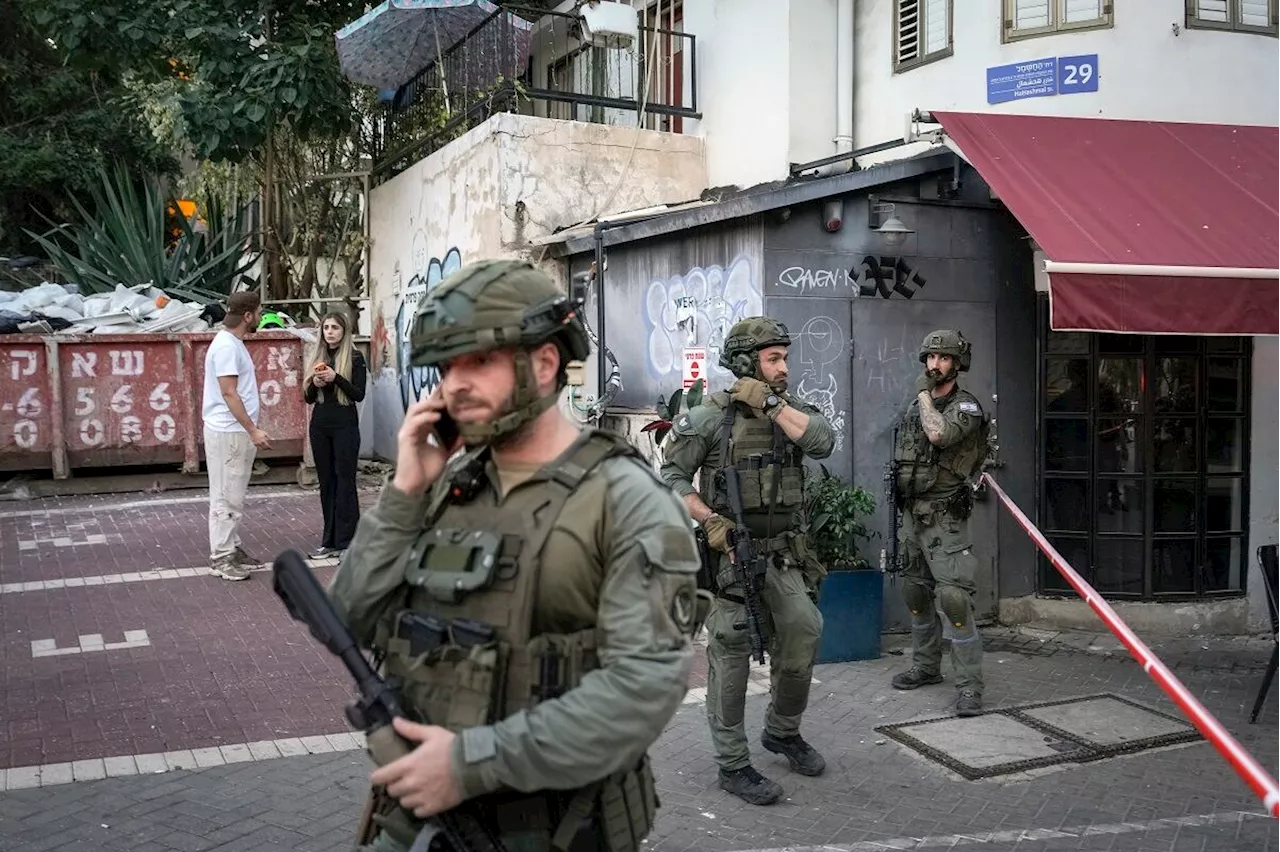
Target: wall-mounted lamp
{"type": "Point", "coordinates": [882, 218]}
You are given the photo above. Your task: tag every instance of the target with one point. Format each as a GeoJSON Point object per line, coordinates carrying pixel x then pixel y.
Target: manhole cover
{"type": "Point", "coordinates": [1015, 739]}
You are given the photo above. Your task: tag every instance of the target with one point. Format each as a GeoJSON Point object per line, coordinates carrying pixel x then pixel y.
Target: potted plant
{"type": "Point", "coordinates": [850, 597]}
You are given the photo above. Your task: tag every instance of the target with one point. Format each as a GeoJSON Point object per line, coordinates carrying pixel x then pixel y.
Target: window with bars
{"type": "Point", "coordinates": [1030, 18]}
{"type": "Point", "coordinates": [921, 32]}
{"type": "Point", "coordinates": [1144, 462]}
{"type": "Point", "coordinates": [1247, 16]}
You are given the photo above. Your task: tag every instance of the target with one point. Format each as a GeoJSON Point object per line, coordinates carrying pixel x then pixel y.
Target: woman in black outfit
{"type": "Point", "coordinates": [337, 379]}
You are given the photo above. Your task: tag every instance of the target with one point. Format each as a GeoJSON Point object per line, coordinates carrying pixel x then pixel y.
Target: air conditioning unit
{"type": "Point", "coordinates": [609, 24]}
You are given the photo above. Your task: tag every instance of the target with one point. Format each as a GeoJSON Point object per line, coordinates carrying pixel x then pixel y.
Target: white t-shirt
{"type": "Point", "coordinates": [228, 356]}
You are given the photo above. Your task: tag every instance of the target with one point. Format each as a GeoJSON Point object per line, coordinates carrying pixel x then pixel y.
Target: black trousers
{"type": "Point", "coordinates": [336, 450]}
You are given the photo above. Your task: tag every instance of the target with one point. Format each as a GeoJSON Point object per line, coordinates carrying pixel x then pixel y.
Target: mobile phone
{"type": "Point", "coordinates": [446, 430]}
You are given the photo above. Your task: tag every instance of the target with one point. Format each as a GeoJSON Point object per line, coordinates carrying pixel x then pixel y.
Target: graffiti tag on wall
{"type": "Point", "coordinates": [882, 276]}
{"type": "Point", "coordinates": [697, 309]}
{"type": "Point", "coordinates": [819, 345]}
{"type": "Point", "coordinates": [417, 381]}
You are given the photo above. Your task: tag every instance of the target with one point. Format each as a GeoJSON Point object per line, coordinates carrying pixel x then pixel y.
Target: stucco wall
{"type": "Point", "coordinates": [487, 194]}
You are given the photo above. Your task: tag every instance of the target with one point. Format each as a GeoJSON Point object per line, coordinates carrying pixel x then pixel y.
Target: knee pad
{"type": "Point", "coordinates": [956, 607]}
{"type": "Point", "coordinates": [917, 597]}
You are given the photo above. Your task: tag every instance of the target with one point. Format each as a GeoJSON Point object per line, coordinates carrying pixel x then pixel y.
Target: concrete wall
{"type": "Point", "coordinates": [1146, 71]}
{"type": "Point", "coordinates": [487, 194]}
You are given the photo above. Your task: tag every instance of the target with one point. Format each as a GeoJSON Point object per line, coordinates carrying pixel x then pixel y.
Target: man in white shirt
{"type": "Point", "coordinates": [231, 433]}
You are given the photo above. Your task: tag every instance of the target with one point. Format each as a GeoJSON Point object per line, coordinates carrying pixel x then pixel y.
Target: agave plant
{"type": "Point", "coordinates": [126, 240]}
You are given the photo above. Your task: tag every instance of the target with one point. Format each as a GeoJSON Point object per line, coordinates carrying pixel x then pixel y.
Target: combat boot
{"type": "Point", "coordinates": [969, 703]}
{"type": "Point", "coordinates": [803, 757]}
{"type": "Point", "coordinates": [750, 786]}
{"type": "Point", "coordinates": [915, 677]}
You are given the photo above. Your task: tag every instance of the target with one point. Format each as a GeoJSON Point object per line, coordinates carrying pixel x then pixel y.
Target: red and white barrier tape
{"type": "Point", "coordinates": [1241, 761]}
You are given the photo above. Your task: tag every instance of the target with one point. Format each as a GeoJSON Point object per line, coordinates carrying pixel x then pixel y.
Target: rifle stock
{"type": "Point", "coordinates": [373, 710]}
{"type": "Point", "coordinates": [748, 566]}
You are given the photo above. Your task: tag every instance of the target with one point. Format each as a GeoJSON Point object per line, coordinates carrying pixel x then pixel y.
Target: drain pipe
{"type": "Point", "coordinates": [844, 83]}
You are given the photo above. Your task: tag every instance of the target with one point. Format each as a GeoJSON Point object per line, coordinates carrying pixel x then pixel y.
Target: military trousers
{"type": "Point", "coordinates": [939, 581]}
{"type": "Point", "coordinates": [794, 627]}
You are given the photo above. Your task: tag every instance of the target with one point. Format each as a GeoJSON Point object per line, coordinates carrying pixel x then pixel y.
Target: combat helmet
{"type": "Point", "coordinates": [493, 304]}
{"type": "Point", "coordinates": [946, 341]}
{"type": "Point", "coordinates": [746, 338]}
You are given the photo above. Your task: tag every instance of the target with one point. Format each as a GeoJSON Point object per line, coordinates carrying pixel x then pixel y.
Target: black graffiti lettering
{"type": "Point", "coordinates": [887, 275]}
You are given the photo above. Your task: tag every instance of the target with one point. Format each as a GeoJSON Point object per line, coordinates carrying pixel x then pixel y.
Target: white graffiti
{"type": "Point", "coordinates": [805, 280]}
{"type": "Point", "coordinates": [17, 370]}
{"type": "Point", "coordinates": [884, 365]}
{"type": "Point", "coordinates": [697, 309]}
{"type": "Point", "coordinates": [820, 346]}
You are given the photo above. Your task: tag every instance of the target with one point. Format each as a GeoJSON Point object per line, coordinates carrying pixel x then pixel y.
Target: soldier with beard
{"type": "Point", "coordinates": [530, 584]}
{"type": "Point", "coordinates": [941, 445]}
{"type": "Point", "coordinates": [764, 432]}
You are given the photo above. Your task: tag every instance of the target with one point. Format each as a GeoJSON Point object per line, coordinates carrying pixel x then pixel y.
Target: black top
{"type": "Point", "coordinates": [330, 412]}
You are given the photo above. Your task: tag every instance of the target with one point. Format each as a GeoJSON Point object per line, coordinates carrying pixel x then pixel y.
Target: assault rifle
{"type": "Point", "coordinates": [452, 831]}
{"type": "Point", "coordinates": [890, 557]}
{"type": "Point", "coordinates": [748, 565]}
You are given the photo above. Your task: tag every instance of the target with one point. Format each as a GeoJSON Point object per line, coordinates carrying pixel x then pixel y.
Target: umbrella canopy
{"type": "Point", "coordinates": [389, 45]}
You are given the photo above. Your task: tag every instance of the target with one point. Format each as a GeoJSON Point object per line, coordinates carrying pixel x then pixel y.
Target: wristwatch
{"type": "Point", "coordinates": [772, 405]}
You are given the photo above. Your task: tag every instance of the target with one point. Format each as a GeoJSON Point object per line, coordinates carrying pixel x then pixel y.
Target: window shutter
{"type": "Point", "coordinates": [1074, 11]}
{"type": "Point", "coordinates": [937, 26]}
{"type": "Point", "coordinates": [1031, 14]}
{"type": "Point", "coordinates": [1212, 10]}
{"type": "Point", "coordinates": [908, 30]}
{"type": "Point", "coordinates": [1253, 13]}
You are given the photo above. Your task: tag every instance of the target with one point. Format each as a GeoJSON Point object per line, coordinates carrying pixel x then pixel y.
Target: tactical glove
{"type": "Point", "coordinates": [717, 529]}
{"type": "Point", "coordinates": [925, 382]}
{"type": "Point", "coordinates": [750, 392]}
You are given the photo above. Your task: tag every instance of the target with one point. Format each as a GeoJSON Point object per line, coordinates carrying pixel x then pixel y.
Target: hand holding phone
{"type": "Point", "coordinates": [419, 459]}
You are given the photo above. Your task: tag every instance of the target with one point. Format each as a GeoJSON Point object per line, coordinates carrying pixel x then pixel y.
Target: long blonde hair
{"type": "Point", "coordinates": [341, 361]}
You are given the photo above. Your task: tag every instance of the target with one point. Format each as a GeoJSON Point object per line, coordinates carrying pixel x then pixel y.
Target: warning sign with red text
{"type": "Point", "coordinates": [695, 365]}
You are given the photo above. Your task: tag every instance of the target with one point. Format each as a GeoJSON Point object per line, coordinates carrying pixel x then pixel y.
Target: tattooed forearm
{"type": "Point", "coordinates": [935, 426]}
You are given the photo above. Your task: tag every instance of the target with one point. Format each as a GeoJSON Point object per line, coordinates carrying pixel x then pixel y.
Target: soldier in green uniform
{"type": "Point", "coordinates": [941, 445]}
{"type": "Point", "coordinates": [764, 431]}
{"type": "Point", "coordinates": [532, 585]}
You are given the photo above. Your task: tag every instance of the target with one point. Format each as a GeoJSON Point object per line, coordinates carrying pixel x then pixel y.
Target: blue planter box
{"type": "Point", "coordinates": [850, 603]}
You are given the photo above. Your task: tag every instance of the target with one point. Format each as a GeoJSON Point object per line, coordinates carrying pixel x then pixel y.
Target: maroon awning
{"type": "Point", "coordinates": [1151, 227]}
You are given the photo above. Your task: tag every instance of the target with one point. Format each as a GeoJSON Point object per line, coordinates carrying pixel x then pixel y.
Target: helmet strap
{"type": "Point", "coordinates": [527, 407]}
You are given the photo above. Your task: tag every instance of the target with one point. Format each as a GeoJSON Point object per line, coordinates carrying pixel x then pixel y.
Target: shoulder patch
{"type": "Point", "coordinates": [969, 407]}
{"type": "Point", "coordinates": [683, 425]}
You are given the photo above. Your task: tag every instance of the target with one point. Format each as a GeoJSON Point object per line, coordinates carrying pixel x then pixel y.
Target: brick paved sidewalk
{"type": "Point", "coordinates": [227, 683]}
{"type": "Point", "coordinates": [875, 795]}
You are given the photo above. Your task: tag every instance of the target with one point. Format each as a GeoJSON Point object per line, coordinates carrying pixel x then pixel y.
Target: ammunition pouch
{"type": "Point", "coordinates": [558, 661]}
{"type": "Point", "coordinates": [450, 670]}
{"type": "Point", "coordinates": [619, 809]}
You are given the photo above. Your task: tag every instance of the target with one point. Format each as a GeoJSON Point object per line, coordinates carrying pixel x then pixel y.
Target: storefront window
{"type": "Point", "coordinates": [1143, 462]}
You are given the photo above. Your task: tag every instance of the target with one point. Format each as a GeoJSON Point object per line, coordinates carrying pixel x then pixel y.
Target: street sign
{"type": "Point", "coordinates": [695, 365]}
{"type": "Point", "coordinates": [1042, 78]}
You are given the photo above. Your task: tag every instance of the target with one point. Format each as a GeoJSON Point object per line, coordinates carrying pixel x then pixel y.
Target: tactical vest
{"type": "Point", "coordinates": [924, 470]}
{"type": "Point", "coordinates": [770, 470]}
{"type": "Point", "coordinates": [462, 647]}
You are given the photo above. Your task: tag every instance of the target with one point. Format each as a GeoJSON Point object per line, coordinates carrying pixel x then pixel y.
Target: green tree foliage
{"type": "Point", "coordinates": [59, 124]}
{"type": "Point", "coordinates": [245, 66]}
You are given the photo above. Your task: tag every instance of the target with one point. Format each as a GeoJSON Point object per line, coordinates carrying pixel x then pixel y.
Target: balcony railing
{"type": "Point", "coordinates": [535, 62]}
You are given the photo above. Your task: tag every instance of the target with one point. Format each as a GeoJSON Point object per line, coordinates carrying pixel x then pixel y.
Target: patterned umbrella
{"type": "Point", "coordinates": [387, 46]}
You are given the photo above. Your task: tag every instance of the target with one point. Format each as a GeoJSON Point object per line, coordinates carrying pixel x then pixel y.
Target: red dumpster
{"type": "Point", "coordinates": [108, 400]}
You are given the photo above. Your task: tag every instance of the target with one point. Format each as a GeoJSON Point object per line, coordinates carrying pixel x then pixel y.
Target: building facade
{"type": "Point", "coordinates": [777, 137]}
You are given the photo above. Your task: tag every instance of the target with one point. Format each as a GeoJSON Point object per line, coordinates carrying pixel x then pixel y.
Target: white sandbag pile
{"type": "Point", "coordinates": [60, 309]}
